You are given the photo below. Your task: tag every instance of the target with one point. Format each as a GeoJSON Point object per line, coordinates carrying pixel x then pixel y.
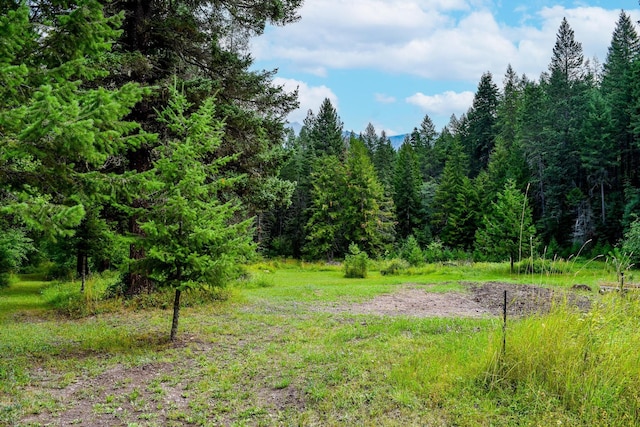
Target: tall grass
{"type": "Point", "coordinates": [588, 361]}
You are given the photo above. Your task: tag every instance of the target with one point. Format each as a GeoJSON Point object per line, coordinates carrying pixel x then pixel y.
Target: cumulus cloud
{"type": "Point", "coordinates": [448, 102]}
{"type": "Point", "coordinates": [430, 38]}
{"type": "Point", "coordinates": [310, 97]}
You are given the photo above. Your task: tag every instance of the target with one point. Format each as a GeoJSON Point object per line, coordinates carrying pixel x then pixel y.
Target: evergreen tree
{"type": "Point", "coordinates": [324, 228]}
{"type": "Point", "coordinates": [326, 132]}
{"type": "Point", "coordinates": [507, 161]}
{"type": "Point", "coordinates": [406, 195]}
{"type": "Point", "coordinates": [507, 231]}
{"type": "Point", "coordinates": [598, 151]}
{"type": "Point", "coordinates": [370, 139]}
{"type": "Point", "coordinates": [455, 202]}
{"type": "Point", "coordinates": [60, 135]}
{"type": "Point", "coordinates": [480, 137]}
{"type": "Point", "coordinates": [424, 151]}
{"type": "Point", "coordinates": [191, 238]}
{"type": "Point", "coordinates": [617, 84]}
{"type": "Point", "coordinates": [367, 214]}
{"type": "Point", "coordinates": [384, 162]}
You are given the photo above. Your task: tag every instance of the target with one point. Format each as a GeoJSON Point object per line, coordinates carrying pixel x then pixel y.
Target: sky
{"type": "Point", "coordinates": [391, 62]}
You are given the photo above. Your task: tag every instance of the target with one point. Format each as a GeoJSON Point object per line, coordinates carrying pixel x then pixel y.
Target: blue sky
{"type": "Point", "coordinates": [390, 62]}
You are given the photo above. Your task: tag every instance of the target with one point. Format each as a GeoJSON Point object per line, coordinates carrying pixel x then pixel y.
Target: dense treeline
{"type": "Point", "coordinates": [134, 135]}
{"type": "Point", "coordinates": [544, 165]}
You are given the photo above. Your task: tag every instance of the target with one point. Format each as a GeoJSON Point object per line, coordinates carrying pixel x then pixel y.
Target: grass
{"type": "Point", "coordinates": [262, 357]}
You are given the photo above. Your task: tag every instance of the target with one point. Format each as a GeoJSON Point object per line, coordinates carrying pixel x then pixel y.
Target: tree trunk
{"type": "Point", "coordinates": [136, 282]}
{"type": "Point", "coordinates": [176, 315]}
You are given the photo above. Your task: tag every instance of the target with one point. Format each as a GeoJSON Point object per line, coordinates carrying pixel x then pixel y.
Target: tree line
{"type": "Point", "coordinates": [134, 135]}
{"type": "Point", "coordinates": [541, 165]}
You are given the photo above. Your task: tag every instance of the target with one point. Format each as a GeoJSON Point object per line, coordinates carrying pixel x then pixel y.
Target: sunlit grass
{"type": "Point", "coordinates": [328, 368]}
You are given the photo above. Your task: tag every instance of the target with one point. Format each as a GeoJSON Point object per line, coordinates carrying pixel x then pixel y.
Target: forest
{"type": "Point", "coordinates": [136, 136]}
{"type": "Point", "coordinates": [541, 166]}
{"type": "Point", "coordinates": [476, 275]}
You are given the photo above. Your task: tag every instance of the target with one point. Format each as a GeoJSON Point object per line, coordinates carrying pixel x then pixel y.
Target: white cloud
{"type": "Point", "coordinates": [310, 97]}
{"type": "Point", "coordinates": [447, 103]}
{"type": "Point", "coordinates": [436, 39]}
{"type": "Point", "coordinates": [384, 99]}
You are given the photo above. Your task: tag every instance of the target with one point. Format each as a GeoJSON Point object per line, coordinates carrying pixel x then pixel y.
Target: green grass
{"type": "Point", "coordinates": [264, 357]}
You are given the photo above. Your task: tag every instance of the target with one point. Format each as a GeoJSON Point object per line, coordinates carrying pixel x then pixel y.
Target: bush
{"type": "Point", "coordinates": [394, 266]}
{"type": "Point", "coordinates": [543, 266]}
{"type": "Point", "coordinates": [434, 252]}
{"type": "Point", "coordinates": [411, 252]}
{"type": "Point", "coordinates": [631, 242]}
{"type": "Point", "coordinates": [355, 263]}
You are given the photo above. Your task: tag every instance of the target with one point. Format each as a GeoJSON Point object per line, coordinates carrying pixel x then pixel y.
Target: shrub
{"type": "Point", "coordinates": [631, 242]}
{"type": "Point", "coordinates": [543, 266]}
{"type": "Point", "coordinates": [411, 252]}
{"type": "Point", "coordinates": [355, 263]}
{"type": "Point", "coordinates": [435, 252]}
{"type": "Point", "coordinates": [394, 266]}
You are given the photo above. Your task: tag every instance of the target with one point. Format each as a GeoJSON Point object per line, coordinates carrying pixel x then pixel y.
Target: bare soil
{"type": "Point", "coordinates": [479, 300]}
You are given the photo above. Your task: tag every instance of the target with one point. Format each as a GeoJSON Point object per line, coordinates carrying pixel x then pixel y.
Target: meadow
{"type": "Point", "coordinates": [292, 344]}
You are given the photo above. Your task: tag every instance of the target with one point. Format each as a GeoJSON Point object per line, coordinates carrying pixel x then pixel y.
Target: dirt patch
{"type": "Point", "coordinates": [480, 300]}
{"type": "Point", "coordinates": [417, 303]}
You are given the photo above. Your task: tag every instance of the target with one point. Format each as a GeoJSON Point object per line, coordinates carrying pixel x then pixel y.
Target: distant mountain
{"type": "Point", "coordinates": [396, 140]}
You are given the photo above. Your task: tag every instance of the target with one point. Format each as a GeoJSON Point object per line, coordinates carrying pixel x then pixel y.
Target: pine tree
{"type": "Point", "coordinates": [59, 135]}
{"type": "Point", "coordinates": [367, 214]}
{"type": "Point", "coordinates": [616, 89]}
{"type": "Point", "coordinates": [507, 231]}
{"type": "Point", "coordinates": [324, 230]}
{"type": "Point", "coordinates": [455, 201]}
{"type": "Point", "coordinates": [191, 238]}
{"type": "Point", "coordinates": [481, 120]}
{"type": "Point", "coordinates": [406, 195]}
{"type": "Point", "coordinates": [370, 139]}
{"type": "Point", "coordinates": [507, 161]}
{"type": "Point", "coordinates": [425, 155]}
{"type": "Point", "coordinates": [384, 162]}
{"type": "Point", "coordinates": [326, 132]}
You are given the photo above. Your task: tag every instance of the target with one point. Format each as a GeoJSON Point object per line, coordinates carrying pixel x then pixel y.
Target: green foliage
{"type": "Point", "coordinates": [327, 201]}
{"type": "Point", "coordinates": [411, 252]}
{"type": "Point", "coordinates": [190, 236]}
{"type": "Point", "coordinates": [455, 212]}
{"type": "Point", "coordinates": [435, 252]}
{"type": "Point", "coordinates": [347, 205]}
{"type": "Point", "coordinates": [394, 266]}
{"type": "Point", "coordinates": [367, 213]}
{"type": "Point", "coordinates": [507, 231]}
{"type": "Point", "coordinates": [15, 246]}
{"type": "Point", "coordinates": [543, 267]}
{"type": "Point", "coordinates": [621, 262]}
{"type": "Point", "coordinates": [355, 262]}
{"type": "Point", "coordinates": [585, 360]}
{"type": "Point", "coordinates": [192, 240]}
{"type": "Point", "coordinates": [631, 242]}
{"type": "Point", "coordinates": [480, 138]}
{"type": "Point", "coordinates": [325, 132]}
{"type": "Point", "coordinates": [66, 298]}
{"type": "Point", "coordinates": [406, 195]}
